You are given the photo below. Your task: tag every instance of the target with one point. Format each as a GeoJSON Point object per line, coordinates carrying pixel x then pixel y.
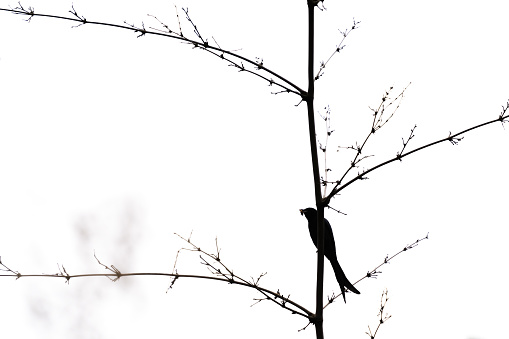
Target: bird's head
{"type": "Point", "coordinates": [308, 213]}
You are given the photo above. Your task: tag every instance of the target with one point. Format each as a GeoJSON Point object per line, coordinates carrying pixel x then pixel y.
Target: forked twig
{"type": "Point", "coordinates": [375, 272]}
{"type": "Point", "coordinates": [383, 318]}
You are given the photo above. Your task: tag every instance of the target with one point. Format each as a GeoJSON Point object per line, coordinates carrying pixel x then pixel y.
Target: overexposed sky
{"type": "Point", "coordinates": [112, 143]}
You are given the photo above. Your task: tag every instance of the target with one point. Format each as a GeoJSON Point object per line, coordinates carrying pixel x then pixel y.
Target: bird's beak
{"type": "Point", "coordinates": [301, 212]}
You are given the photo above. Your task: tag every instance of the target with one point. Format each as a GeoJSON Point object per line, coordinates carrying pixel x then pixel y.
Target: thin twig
{"type": "Point", "coordinates": [379, 120]}
{"type": "Point", "coordinates": [226, 274]}
{"type": "Point", "coordinates": [375, 272]}
{"type": "Point", "coordinates": [338, 48]}
{"type": "Point", "coordinates": [285, 84]}
{"type": "Point", "coordinates": [383, 318]}
{"type": "Point", "coordinates": [452, 138]}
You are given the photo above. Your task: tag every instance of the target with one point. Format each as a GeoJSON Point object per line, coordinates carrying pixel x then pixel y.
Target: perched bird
{"type": "Point", "coordinates": [329, 248]}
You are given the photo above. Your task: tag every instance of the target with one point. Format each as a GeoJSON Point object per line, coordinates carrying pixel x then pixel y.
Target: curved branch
{"type": "Point", "coordinates": [289, 87]}
{"type": "Point", "coordinates": [303, 311]}
{"type": "Point", "coordinates": [453, 138]}
{"type": "Point", "coordinates": [232, 278]}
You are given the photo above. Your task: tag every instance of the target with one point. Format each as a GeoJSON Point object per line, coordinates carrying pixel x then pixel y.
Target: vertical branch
{"type": "Point", "coordinates": [318, 321]}
{"type": "Point", "coordinates": [310, 106]}
{"type": "Point", "coordinates": [319, 272]}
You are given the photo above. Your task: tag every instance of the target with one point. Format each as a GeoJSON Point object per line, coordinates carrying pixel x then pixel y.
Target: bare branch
{"type": "Point", "coordinates": [338, 49]}
{"type": "Point", "coordinates": [137, 29]}
{"type": "Point", "coordinates": [21, 10]}
{"type": "Point", "coordinates": [327, 120]}
{"type": "Point", "coordinates": [276, 297]}
{"type": "Point", "coordinates": [63, 273]}
{"type": "Point", "coordinates": [286, 85]}
{"type": "Point", "coordinates": [222, 272]}
{"type": "Point", "coordinates": [383, 318]}
{"type": "Point", "coordinates": [205, 42]}
{"type": "Point", "coordinates": [379, 120]}
{"type": "Point", "coordinates": [405, 143]}
{"type": "Point", "coordinates": [375, 272]}
{"type": "Point", "coordinates": [110, 268]}
{"type": "Point", "coordinates": [81, 18]}
{"type": "Point", "coordinates": [7, 269]}
{"type": "Point", "coordinates": [453, 138]}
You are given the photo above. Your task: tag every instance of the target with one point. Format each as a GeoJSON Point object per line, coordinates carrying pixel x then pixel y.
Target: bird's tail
{"type": "Point", "coordinates": [342, 280]}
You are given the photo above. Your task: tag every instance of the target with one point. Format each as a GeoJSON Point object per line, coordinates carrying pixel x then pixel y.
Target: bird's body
{"type": "Point", "coordinates": [329, 248]}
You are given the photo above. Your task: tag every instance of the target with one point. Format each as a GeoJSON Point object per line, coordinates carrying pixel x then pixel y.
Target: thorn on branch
{"type": "Point", "coordinates": [7, 269]}
{"type": "Point", "coordinates": [259, 63]}
{"type": "Point", "coordinates": [361, 176]}
{"type": "Point", "coordinates": [175, 277]}
{"type": "Point", "coordinates": [79, 17]}
{"type": "Point", "coordinates": [503, 117]}
{"type": "Point", "coordinates": [136, 29]}
{"type": "Point", "coordinates": [284, 300]}
{"type": "Point", "coordinates": [331, 298]}
{"type": "Point", "coordinates": [63, 274]}
{"type": "Point", "coordinates": [111, 268]}
{"type": "Point", "coordinates": [373, 274]}
{"type": "Point", "coordinates": [322, 148]}
{"type": "Point", "coordinates": [24, 11]}
{"type": "Point", "coordinates": [405, 143]}
{"type": "Point", "coordinates": [324, 182]}
{"type": "Point", "coordinates": [454, 140]}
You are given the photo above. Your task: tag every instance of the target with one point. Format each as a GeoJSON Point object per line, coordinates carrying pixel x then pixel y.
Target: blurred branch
{"type": "Point", "coordinates": [286, 85]}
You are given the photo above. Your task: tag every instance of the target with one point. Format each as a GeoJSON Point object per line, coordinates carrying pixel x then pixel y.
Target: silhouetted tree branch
{"type": "Point", "coordinates": [383, 318]}
{"type": "Point", "coordinates": [503, 117]}
{"type": "Point", "coordinates": [212, 261]}
{"type": "Point", "coordinates": [216, 267]}
{"type": "Point", "coordinates": [286, 85]}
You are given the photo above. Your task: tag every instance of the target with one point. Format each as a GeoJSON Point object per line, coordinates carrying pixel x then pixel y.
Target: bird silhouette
{"type": "Point", "coordinates": [329, 249]}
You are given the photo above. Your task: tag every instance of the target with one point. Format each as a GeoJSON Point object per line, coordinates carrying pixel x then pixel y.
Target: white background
{"type": "Point", "coordinates": [111, 143]}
